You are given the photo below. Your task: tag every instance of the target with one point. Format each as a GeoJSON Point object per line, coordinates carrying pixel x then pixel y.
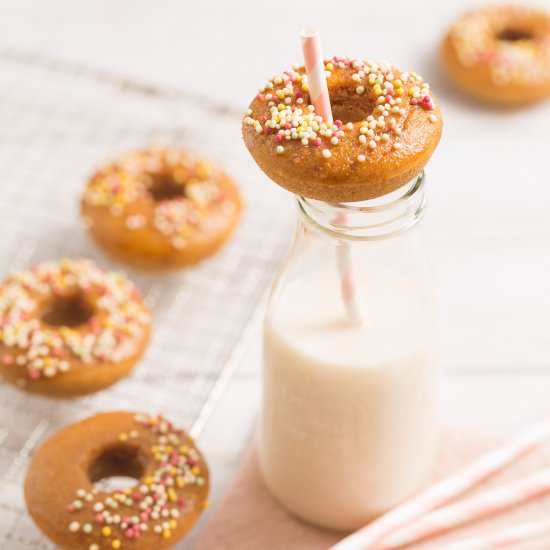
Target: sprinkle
{"type": "Point", "coordinates": [362, 138]}
{"type": "Point", "coordinates": [334, 140]}
{"type": "Point", "coordinates": [116, 544]}
{"type": "Point", "coordinates": [106, 531]}
{"type": "Point", "coordinates": [360, 90]}
{"type": "Point", "coordinates": [87, 528]}
{"type": "Point", "coordinates": [74, 526]}
{"type": "Point", "coordinates": [280, 149]}
{"type": "Point", "coordinates": [326, 153]}
{"type": "Point", "coordinates": [372, 144]}
{"type": "Point", "coordinates": [361, 158]}
{"type": "Point", "coordinates": [433, 118]}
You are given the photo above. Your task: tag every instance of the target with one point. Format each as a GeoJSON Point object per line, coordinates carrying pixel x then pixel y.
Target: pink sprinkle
{"type": "Point", "coordinates": [413, 101]}
{"type": "Point", "coordinates": [70, 508]}
{"type": "Point", "coordinates": [7, 359]}
{"type": "Point", "coordinates": [299, 94]}
{"type": "Point", "coordinates": [288, 126]}
{"type": "Point", "coordinates": [260, 97]}
{"type": "Point", "coordinates": [129, 533]}
{"type": "Point", "coordinates": [100, 518]}
{"type": "Point", "coordinates": [317, 142]}
{"type": "Point", "coordinates": [181, 502]}
{"type": "Point", "coordinates": [263, 118]}
{"type": "Point", "coordinates": [268, 130]}
{"type": "Point", "coordinates": [143, 516]}
{"type": "Point", "coordinates": [137, 495]}
{"type": "Point", "coordinates": [338, 123]}
{"type": "Point", "coordinates": [34, 374]}
{"type": "Point", "coordinates": [279, 138]}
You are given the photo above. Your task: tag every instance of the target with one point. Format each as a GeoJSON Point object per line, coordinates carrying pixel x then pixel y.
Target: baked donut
{"type": "Point", "coordinates": [500, 54]}
{"type": "Point", "coordinates": [76, 514]}
{"type": "Point", "coordinates": [160, 208]}
{"type": "Point", "coordinates": [69, 328]}
{"type": "Point", "coordinates": [386, 126]}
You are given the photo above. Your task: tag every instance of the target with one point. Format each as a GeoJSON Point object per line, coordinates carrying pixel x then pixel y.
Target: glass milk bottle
{"type": "Point", "coordinates": [348, 424]}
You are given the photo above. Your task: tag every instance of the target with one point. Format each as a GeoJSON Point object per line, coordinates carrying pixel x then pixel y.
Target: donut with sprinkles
{"type": "Point", "coordinates": [386, 126]}
{"type": "Point", "coordinates": [160, 208]}
{"type": "Point", "coordinates": [500, 54]}
{"type": "Point", "coordinates": [67, 500]}
{"type": "Point", "coordinates": [69, 328]}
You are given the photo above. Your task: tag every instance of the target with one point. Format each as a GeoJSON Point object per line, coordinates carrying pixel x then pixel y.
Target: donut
{"type": "Point", "coordinates": [386, 126]}
{"type": "Point", "coordinates": [160, 208]}
{"type": "Point", "coordinates": [500, 54]}
{"type": "Point", "coordinates": [69, 505]}
{"type": "Point", "coordinates": [69, 328]}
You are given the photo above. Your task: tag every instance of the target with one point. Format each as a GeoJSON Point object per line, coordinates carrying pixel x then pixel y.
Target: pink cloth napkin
{"type": "Point", "coordinates": [249, 519]}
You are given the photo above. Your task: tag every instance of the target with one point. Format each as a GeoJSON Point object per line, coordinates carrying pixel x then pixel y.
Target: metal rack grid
{"type": "Point", "coordinates": [56, 123]}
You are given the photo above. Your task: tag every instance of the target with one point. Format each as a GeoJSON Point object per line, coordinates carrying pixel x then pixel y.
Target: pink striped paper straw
{"type": "Point", "coordinates": [369, 537]}
{"type": "Point", "coordinates": [518, 534]}
{"type": "Point", "coordinates": [318, 93]}
{"type": "Point", "coordinates": [315, 71]}
{"type": "Point", "coordinates": [473, 509]}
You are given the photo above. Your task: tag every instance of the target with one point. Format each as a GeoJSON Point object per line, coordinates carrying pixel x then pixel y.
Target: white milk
{"type": "Point", "coordinates": [348, 426]}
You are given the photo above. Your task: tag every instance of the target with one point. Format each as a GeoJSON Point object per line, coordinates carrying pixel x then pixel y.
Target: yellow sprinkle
{"type": "Point", "coordinates": [149, 480]}
{"type": "Point", "coordinates": [305, 88]}
{"type": "Point", "coordinates": [172, 495]}
{"type": "Point", "coordinates": [399, 92]}
{"type": "Point", "coordinates": [203, 170]}
{"type": "Point", "coordinates": [196, 470]}
{"type": "Point", "coordinates": [184, 449]}
{"type": "Point", "coordinates": [116, 544]}
{"type": "Point", "coordinates": [173, 523]}
{"type": "Point", "coordinates": [167, 533]}
{"type": "Point", "coordinates": [106, 531]}
{"type": "Point", "coordinates": [181, 482]}
{"type": "Point", "coordinates": [206, 505]}
{"type": "Point", "coordinates": [281, 106]}
{"type": "Point", "coordinates": [179, 175]}
{"type": "Point", "coordinates": [329, 66]}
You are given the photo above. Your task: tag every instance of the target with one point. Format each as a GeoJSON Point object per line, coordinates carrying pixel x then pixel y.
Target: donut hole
{"type": "Point", "coordinates": [349, 106]}
{"type": "Point", "coordinates": [116, 468]}
{"type": "Point", "coordinates": [68, 311]}
{"type": "Point", "coordinates": [165, 188]}
{"type": "Point", "coordinates": [511, 34]}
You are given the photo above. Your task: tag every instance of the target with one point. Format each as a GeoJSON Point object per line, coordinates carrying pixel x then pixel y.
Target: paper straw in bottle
{"type": "Point", "coordinates": [318, 92]}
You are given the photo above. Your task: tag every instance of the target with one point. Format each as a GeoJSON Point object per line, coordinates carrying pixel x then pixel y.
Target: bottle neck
{"type": "Point", "coordinates": [372, 220]}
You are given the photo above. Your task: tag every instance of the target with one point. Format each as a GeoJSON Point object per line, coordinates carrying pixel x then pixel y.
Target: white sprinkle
{"type": "Point", "coordinates": [397, 145]}
{"type": "Point", "coordinates": [361, 158]}
{"type": "Point", "coordinates": [372, 144]}
{"type": "Point", "coordinates": [362, 138]}
{"type": "Point", "coordinates": [326, 153]}
{"type": "Point", "coordinates": [433, 118]}
{"type": "Point", "coordinates": [280, 149]}
{"type": "Point", "coordinates": [249, 111]}
{"type": "Point", "coordinates": [74, 526]}
{"type": "Point", "coordinates": [259, 129]}
{"type": "Point", "coordinates": [334, 140]}
{"type": "Point", "coordinates": [360, 90]}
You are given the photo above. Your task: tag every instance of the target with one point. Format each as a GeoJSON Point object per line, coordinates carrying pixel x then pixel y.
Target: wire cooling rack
{"type": "Point", "coordinates": [57, 122]}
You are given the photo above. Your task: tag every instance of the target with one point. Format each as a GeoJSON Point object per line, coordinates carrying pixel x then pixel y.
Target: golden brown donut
{"type": "Point", "coordinates": [160, 208]}
{"type": "Point", "coordinates": [69, 328]}
{"type": "Point", "coordinates": [500, 54]}
{"type": "Point", "coordinates": [169, 495]}
{"type": "Point", "coordinates": [386, 126]}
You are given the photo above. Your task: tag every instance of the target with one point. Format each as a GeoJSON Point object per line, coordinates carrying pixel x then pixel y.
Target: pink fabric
{"type": "Point", "coordinates": [249, 519]}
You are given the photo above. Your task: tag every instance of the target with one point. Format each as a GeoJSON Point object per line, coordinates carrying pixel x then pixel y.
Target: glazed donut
{"type": "Point", "coordinates": [386, 126]}
{"type": "Point", "coordinates": [69, 328]}
{"type": "Point", "coordinates": [160, 208]}
{"type": "Point", "coordinates": [500, 54]}
{"type": "Point", "coordinates": [70, 509]}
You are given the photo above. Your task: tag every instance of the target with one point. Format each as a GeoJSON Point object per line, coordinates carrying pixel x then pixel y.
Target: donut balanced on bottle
{"type": "Point", "coordinates": [386, 126]}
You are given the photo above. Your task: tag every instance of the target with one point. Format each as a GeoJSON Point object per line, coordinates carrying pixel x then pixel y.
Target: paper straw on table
{"type": "Point", "coordinates": [506, 538]}
{"type": "Point", "coordinates": [318, 92]}
{"type": "Point", "coordinates": [475, 508]}
{"type": "Point", "coordinates": [369, 537]}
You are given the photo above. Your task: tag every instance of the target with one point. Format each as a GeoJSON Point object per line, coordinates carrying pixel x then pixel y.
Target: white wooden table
{"type": "Point", "coordinates": [488, 225]}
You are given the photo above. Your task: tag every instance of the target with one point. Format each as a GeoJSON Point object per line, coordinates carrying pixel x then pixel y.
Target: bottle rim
{"type": "Point", "coordinates": [375, 219]}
